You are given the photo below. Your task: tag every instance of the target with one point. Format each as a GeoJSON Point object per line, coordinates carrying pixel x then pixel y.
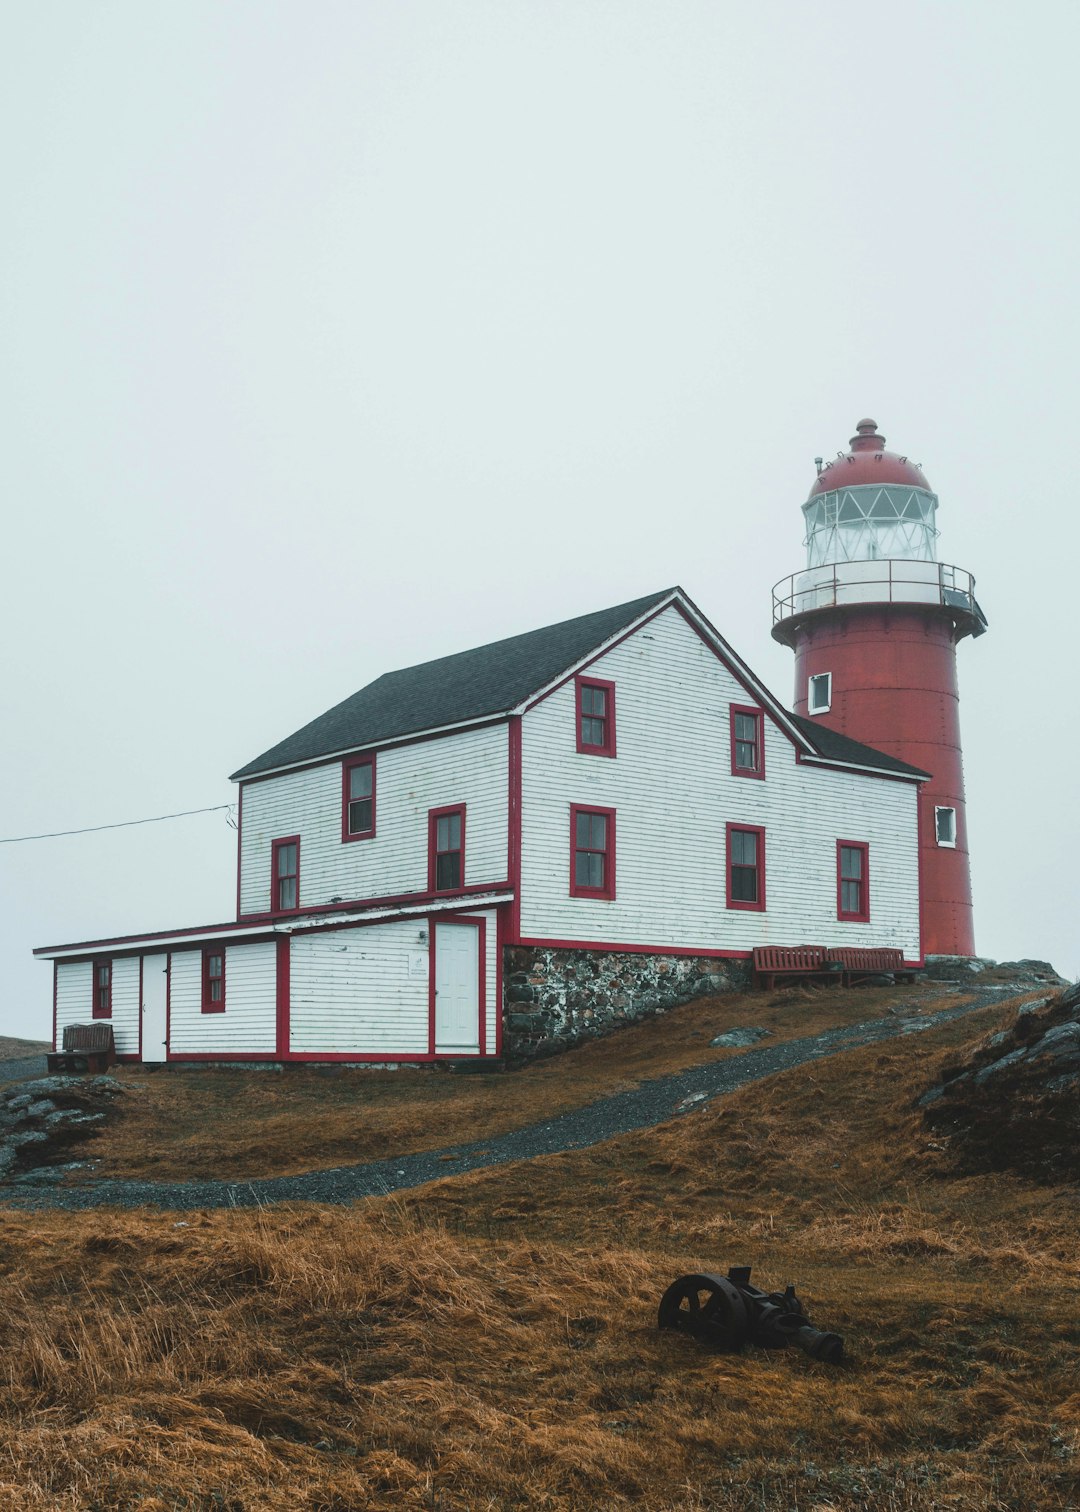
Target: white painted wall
{"type": "Point", "coordinates": [249, 1023]}
{"type": "Point", "coordinates": [361, 991]}
{"type": "Point", "coordinates": [470, 767]}
{"type": "Point", "coordinates": [673, 790]}
{"type": "Point", "coordinates": [74, 1000]}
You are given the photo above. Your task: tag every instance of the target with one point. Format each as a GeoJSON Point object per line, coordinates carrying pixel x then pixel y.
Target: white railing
{"type": "Point", "coordinates": [876, 582]}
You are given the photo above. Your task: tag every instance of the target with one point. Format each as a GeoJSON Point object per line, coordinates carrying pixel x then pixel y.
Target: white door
{"type": "Point", "coordinates": [155, 977]}
{"type": "Point", "coordinates": [457, 989]}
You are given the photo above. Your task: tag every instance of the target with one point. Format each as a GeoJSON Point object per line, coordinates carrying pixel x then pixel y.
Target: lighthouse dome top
{"type": "Point", "coordinates": [867, 462]}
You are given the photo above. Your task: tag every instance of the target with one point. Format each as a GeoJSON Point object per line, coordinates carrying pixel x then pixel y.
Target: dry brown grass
{"type": "Point", "coordinates": [490, 1342]}
{"type": "Point", "coordinates": [183, 1125]}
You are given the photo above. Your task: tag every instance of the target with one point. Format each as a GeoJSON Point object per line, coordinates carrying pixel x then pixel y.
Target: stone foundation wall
{"type": "Point", "coordinates": [555, 997]}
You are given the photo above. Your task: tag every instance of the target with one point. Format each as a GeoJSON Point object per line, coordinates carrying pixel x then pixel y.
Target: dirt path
{"type": "Point", "coordinates": [642, 1107]}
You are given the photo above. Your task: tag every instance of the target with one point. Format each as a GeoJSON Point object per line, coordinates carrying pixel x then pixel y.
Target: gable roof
{"type": "Point", "coordinates": [498, 678]}
{"type": "Point", "coordinates": [836, 747]}
{"type": "Point", "coordinates": [452, 690]}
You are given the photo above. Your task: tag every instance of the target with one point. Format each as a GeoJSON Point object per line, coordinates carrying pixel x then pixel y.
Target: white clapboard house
{"type": "Point", "coordinates": [619, 783]}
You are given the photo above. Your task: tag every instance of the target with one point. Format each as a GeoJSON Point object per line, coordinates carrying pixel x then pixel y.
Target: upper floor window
{"type": "Point", "coordinates": [213, 979]}
{"type": "Point", "coordinates": [853, 880]}
{"type": "Point", "coordinates": [945, 825]}
{"type": "Point", "coordinates": [595, 700]}
{"type": "Point", "coordinates": [747, 741]}
{"type": "Point", "coordinates": [102, 1005]}
{"type": "Point", "coordinates": [592, 852]}
{"type": "Point", "coordinates": [358, 798]}
{"type": "Point", "coordinates": [285, 874]}
{"type": "Point", "coordinates": [819, 693]}
{"type": "Point", "coordinates": [446, 848]}
{"type": "Point", "coordinates": [746, 867]}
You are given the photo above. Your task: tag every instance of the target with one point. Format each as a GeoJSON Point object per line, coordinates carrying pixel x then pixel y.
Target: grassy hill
{"type": "Point", "coordinates": [489, 1341]}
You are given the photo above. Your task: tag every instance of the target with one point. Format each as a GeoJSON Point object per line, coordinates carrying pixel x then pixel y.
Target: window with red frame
{"type": "Point", "coordinates": [446, 849]}
{"type": "Point", "coordinates": [747, 741]}
{"type": "Point", "coordinates": [285, 870]}
{"type": "Point", "coordinates": [853, 880]}
{"type": "Point", "coordinates": [102, 1005]}
{"type": "Point", "coordinates": [213, 980]}
{"type": "Point", "coordinates": [595, 701]}
{"type": "Point", "coordinates": [746, 867]}
{"type": "Point", "coordinates": [358, 798]}
{"type": "Point", "coordinates": [592, 852]}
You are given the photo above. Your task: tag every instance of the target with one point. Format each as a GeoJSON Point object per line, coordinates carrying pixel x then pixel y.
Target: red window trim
{"type": "Point", "coordinates": [367, 759]}
{"type": "Point", "coordinates": [606, 892]}
{"type": "Point", "coordinates": [275, 846]}
{"type": "Point", "coordinates": [95, 1011]}
{"type": "Point", "coordinates": [208, 1003]}
{"type": "Point", "coordinates": [758, 716]}
{"type": "Point", "coordinates": [863, 916]}
{"type": "Point", "coordinates": [741, 903]}
{"type": "Point", "coordinates": [608, 748]}
{"type": "Point", "coordinates": [434, 815]}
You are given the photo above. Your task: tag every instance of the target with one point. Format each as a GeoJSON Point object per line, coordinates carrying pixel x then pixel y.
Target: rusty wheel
{"type": "Point", "coordinates": [707, 1306]}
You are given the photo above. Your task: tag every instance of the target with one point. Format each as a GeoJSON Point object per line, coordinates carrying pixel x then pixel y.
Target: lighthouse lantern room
{"type": "Point", "coordinates": [874, 620]}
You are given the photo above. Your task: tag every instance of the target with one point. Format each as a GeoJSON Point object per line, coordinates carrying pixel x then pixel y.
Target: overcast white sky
{"type": "Point", "coordinates": [338, 336]}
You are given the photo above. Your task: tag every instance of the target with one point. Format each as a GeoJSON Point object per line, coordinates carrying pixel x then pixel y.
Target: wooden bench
{"type": "Point", "coordinates": [772, 961]}
{"type": "Point", "coordinates": [856, 962]}
{"type": "Point", "coordinates": [86, 1047]}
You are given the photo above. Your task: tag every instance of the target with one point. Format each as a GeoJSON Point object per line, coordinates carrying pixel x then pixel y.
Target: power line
{"type": "Point", "coordinates": [123, 824]}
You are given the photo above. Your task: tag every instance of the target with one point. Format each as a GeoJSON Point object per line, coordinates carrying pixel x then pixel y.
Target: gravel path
{"type": "Point", "coordinates": [651, 1103]}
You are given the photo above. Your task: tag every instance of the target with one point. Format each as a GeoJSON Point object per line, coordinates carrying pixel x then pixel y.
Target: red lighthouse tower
{"type": "Point", "coordinates": [874, 620]}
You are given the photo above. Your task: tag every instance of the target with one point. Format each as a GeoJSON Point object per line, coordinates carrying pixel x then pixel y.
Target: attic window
{"type": "Point", "coordinates": [358, 798]}
{"type": "Point", "coordinates": [819, 700]}
{"type": "Point", "coordinates": [595, 714]}
{"type": "Point", "coordinates": [747, 744]}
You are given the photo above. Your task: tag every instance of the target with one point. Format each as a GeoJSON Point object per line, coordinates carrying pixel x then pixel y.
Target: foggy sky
{"type": "Point", "coordinates": [339, 336]}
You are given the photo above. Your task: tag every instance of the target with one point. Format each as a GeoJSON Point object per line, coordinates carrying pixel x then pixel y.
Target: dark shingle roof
{"type": "Point", "coordinates": [469, 685]}
{"type": "Point", "coordinates": [836, 747]}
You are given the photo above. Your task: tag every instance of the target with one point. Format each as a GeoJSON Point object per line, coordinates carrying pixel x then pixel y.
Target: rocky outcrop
{"type": "Point", "coordinates": [1015, 1101]}
{"type": "Point", "coordinates": [41, 1120]}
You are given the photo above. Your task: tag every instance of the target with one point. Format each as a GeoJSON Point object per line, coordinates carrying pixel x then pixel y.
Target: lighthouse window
{"type": "Point", "coordinates": [747, 745]}
{"type": "Point", "coordinates": [945, 824]}
{"type": "Point", "coordinates": [852, 880]}
{"type": "Point", "coordinates": [820, 699]}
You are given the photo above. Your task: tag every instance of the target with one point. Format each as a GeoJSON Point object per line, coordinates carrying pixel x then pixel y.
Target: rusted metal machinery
{"type": "Point", "coordinates": [727, 1312]}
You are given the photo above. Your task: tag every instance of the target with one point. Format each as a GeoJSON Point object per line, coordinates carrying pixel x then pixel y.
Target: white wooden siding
{"type": "Point", "coordinates": [673, 791]}
{"type": "Point", "coordinates": [249, 1023]}
{"type": "Point", "coordinates": [361, 991]}
{"type": "Point", "coordinates": [74, 1000]}
{"type": "Point", "coordinates": [470, 767]}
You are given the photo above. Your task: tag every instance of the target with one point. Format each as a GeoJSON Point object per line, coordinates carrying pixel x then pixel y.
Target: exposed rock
{"type": "Point", "coordinates": [1013, 1102]}
{"type": "Point", "coordinates": [738, 1039]}
{"type": "Point", "coordinates": [40, 1120]}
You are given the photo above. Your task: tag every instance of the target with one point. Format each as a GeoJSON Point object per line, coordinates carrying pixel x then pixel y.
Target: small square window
{"type": "Point", "coordinates": [595, 716]}
{"type": "Point", "coordinates": [819, 699]}
{"type": "Point", "coordinates": [945, 826]}
{"type": "Point", "coordinates": [747, 741]}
